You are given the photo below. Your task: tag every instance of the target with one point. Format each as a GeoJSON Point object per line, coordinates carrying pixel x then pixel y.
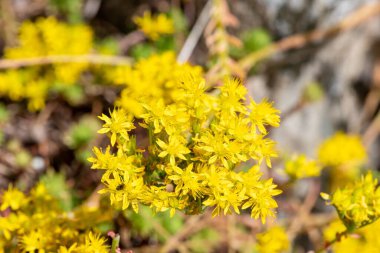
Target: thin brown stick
{"type": "Point", "coordinates": [304, 210]}
{"type": "Point", "coordinates": [51, 59]}
{"type": "Point", "coordinates": [372, 131]}
{"type": "Point", "coordinates": [299, 40]}
{"type": "Point", "coordinates": [193, 223]}
{"type": "Point", "coordinates": [8, 21]}
{"type": "Point", "coordinates": [130, 40]}
{"type": "Point", "coordinates": [195, 33]}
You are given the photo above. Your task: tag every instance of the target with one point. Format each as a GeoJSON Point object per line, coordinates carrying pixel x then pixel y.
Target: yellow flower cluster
{"type": "Point", "coordinates": [36, 223]}
{"type": "Point", "coordinates": [301, 167]}
{"type": "Point", "coordinates": [357, 204]}
{"type": "Point", "coordinates": [364, 240]}
{"type": "Point", "coordinates": [343, 154]}
{"type": "Point", "coordinates": [342, 149]}
{"type": "Point", "coordinates": [191, 156]}
{"type": "Point", "coordinates": [45, 37]}
{"type": "Point", "coordinates": [154, 26]}
{"type": "Point", "coordinates": [274, 240]}
{"type": "Point", "coordinates": [150, 79]}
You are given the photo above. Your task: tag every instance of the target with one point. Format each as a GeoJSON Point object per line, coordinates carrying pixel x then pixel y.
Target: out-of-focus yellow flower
{"type": "Point", "coordinates": [41, 225]}
{"type": "Point", "coordinates": [336, 227]}
{"type": "Point", "coordinates": [8, 225]}
{"type": "Point", "coordinates": [152, 79]}
{"type": "Point", "coordinates": [344, 154]}
{"type": "Point", "coordinates": [47, 37]}
{"type": "Point", "coordinates": [365, 239]}
{"type": "Point", "coordinates": [274, 240]}
{"type": "Point", "coordinates": [13, 198]}
{"type": "Point", "coordinates": [154, 26]}
{"type": "Point", "coordinates": [301, 167]}
{"type": "Point", "coordinates": [357, 204]}
{"type": "Point", "coordinates": [342, 150]}
{"type": "Point", "coordinates": [51, 37]}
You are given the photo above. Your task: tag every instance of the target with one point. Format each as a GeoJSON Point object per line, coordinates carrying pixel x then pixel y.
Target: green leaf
{"type": "Point", "coordinates": [82, 133]}
{"type": "Point", "coordinates": [141, 51]}
{"type": "Point", "coordinates": [70, 8]}
{"type": "Point", "coordinates": [4, 114]}
{"type": "Point", "coordinates": [56, 185]}
{"type": "Point", "coordinates": [253, 40]}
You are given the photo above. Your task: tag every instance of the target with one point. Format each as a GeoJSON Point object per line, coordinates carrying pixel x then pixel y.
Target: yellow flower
{"type": "Point", "coordinates": [300, 167]}
{"type": "Point", "coordinates": [41, 225]}
{"type": "Point", "coordinates": [334, 228]}
{"type": "Point", "coordinates": [174, 148]}
{"type": "Point", "coordinates": [155, 78]}
{"type": "Point", "coordinates": [187, 181]}
{"type": "Point", "coordinates": [119, 123]}
{"type": "Point", "coordinates": [215, 147]}
{"type": "Point", "coordinates": [364, 239]}
{"type": "Point", "coordinates": [357, 204]}
{"type": "Point", "coordinates": [263, 114]}
{"type": "Point", "coordinates": [71, 249]}
{"type": "Point", "coordinates": [274, 240]}
{"type": "Point", "coordinates": [35, 241]}
{"type": "Point", "coordinates": [39, 39]}
{"type": "Point", "coordinates": [36, 92]}
{"type": "Point", "coordinates": [342, 149]}
{"type": "Point", "coordinates": [260, 200]}
{"type": "Point", "coordinates": [8, 225]}
{"type": "Point", "coordinates": [13, 198]}
{"type": "Point", "coordinates": [231, 95]}
{"type": "Point", "coordinates": [154, 26]}
{"type": "Point", "coordinates": [225, 201]}
{"type": "Point", "coordinates": [95, 243]}
{"type": "Point", "coordinates": [194, 142]}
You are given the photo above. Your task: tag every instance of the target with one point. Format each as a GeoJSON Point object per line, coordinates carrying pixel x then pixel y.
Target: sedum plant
{"type": "Point", "coordinates": [342, 150]}
{"type": "Point", "coordinates": [191, 157]}
{"type": "Point", "coordinates": [344, 155]}
{"type": "Point", "coordinates": [39, 39]}
{"type": "Point", "coordinates": [364, 240]}
{"type": "Point", "coordinates": [36, 222]}
{"type": "Point", "coordinates": [153, 26]}
{"type": "Point", "coordinates": [299, 166]}
{"type": "Point", "coordinates": [152, 78]}
{"type": "Point", "coordinates": [274, 240]}
{"type": "Point", "coordinates": [357, 204]}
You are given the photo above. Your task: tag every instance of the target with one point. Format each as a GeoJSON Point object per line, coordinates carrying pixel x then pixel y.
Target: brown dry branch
{"type": "Point", "coordinates": [52, 59]}
{"type": "Point", "coordinates": [218, 40]}
{"type": "Point", "coordinates": [371, 103]}
{"type": "Point", "coordinates": [299, 40]}
{"type": "Point", "coordinates": [130, 40]}
{"type": "Point", "coordinates": [372, 131]}
{"type": "Point", "coordinates": [195, 34]}
{"type": "Point", "coordinates": [373, 98]}
{"type": "Point", "coordinates": [8, 21]}
{"type": "Point", "coordinates": [192, 224]}
{"type": "Point", "coordinates": [299, 221]}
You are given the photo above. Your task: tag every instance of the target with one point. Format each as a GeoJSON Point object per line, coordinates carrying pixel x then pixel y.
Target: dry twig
{"type": "Point", "coordinates": [193, 223]}
{"type": "Point", "coordinates": [299, 40]}
{"type": "Point", "coordinates": [195, 33]}
{"type": "Point", "coordinates": [52, 59]}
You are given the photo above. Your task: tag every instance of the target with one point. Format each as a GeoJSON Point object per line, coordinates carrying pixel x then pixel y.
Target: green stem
{"type": "Point", "coordinates": [115, 243]}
